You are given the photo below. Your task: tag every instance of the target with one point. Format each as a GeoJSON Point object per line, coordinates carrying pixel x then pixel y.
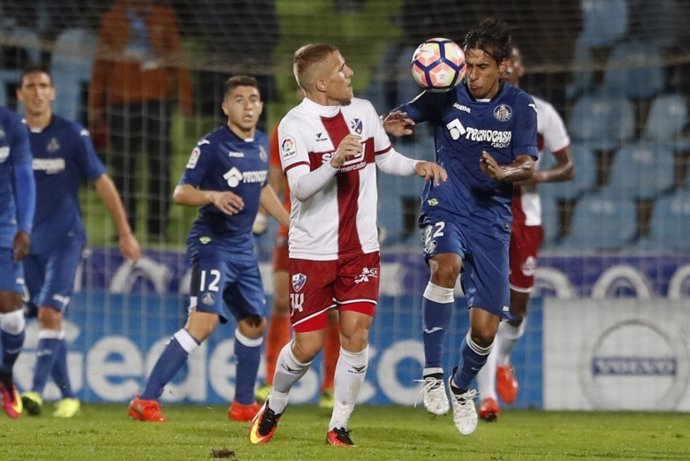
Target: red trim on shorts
{"type": "Point", "coordinates": [316, 321]}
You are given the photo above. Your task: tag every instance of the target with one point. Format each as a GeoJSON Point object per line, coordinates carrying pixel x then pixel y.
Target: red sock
{"type": "Point", "coordinates": [331, 351]}
{"type": "Point", "coordinates": [277, 336]}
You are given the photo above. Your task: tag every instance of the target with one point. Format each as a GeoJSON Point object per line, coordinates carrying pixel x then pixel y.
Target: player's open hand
{"type": "Point", "coordinates": [129, 247]}
{"type": "Point", "coordinates": [349, 147]}
{"type": "Point", "coordinates": [431, 170]}
{"type": "Point", "coordinates": [397, 124]}
{"type": "Point", "coordinates": [21, 245]}
{"type": "Point", "coordinates": [227, 202]}
{"type": "Point", "coordinates": [490, 167]}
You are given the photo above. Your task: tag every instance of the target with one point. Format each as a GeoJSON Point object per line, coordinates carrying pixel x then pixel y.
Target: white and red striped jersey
{"type": "Point", "coordinates": [340, 219]}
{"type": "Point", "coordinates": [551, 136]}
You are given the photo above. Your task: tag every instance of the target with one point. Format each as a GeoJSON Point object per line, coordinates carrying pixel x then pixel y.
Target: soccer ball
{"type": "Point", "coordinates": [438, 64]}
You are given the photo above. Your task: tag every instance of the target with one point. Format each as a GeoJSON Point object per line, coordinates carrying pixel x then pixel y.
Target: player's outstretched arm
{"type": "Point", "coordinates": [227, 202]}
{"type": "Point", "coordinates": [563, 170]}
{"type": "Point", "coordinates": [398, 124]}
{"type": "Point", "coordinates": [520, 170]}
{"type": "Point", "coordinates": [129, 246]}
{"type": "Point", "coordinates": [270, 202]}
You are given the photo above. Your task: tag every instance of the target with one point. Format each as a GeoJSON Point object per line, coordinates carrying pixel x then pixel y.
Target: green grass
{"type": "Point", "coordinates": [103, 432]}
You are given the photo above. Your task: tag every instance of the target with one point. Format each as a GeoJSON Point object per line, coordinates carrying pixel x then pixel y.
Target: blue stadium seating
{"type": "Point", "coordinates": [670, 223]}
{"type": "Point", "coordinates": [71, 66]}
{"type": "Point", "coordinates": [585, 174]}
{"type": "Point", "coordinates": [667, 117]}
{"type": "Point", "coordinates": [642, 170]}
{"type": "Point", "coordinates": [582, 76]}
{"type": "Point", "coordinates": [633, 70]}
{"type": "Point", "coordinates": [602, 221]}
{"type": "Point", "coordinates": [602, 121]}
{"type": "Point", "coordinates": [604, 22]}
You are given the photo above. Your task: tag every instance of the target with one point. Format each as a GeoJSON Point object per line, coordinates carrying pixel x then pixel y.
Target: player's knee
{"type": "Point", "coordinates": [49, 318]}
{"type": "Point", "coordinates": [10, 302]}
{"type": "Point", "coordinates": [482, 338]}
{"type": "Point", "coordinates": [304, 350]}
{"type": "Point", "coordinates": [201, 324]}
{"type": "Point", "coordinates": [252, 327]}
{"type": "Point", "coordinates": [445, 274]}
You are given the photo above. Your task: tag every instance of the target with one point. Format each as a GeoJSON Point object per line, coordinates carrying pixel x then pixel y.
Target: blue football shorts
{"type": "Point", "coordinates": [226, 282]}
{"type": "Point", "coordinates": [50, 275]}
{"type": "Point", "coordinates": [11, 272]}
{"type": "Point", "coordinates": [485, 259]}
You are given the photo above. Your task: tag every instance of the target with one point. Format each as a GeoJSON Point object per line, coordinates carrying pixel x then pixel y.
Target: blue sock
{"type": "Point", "coordinates": [248, 354]}
{"type": "Point", "coordinates": [171, 360]}
{"type": "Point", "coordinates": [472, 359]}
{"type": "Point", "coordinates": [437, 307]}
{"type": "Point", "coordinates": [60, 373]}
{"type": "Point", "coordinates": [11, 347]}
{"type": "Point", "coordinates": [48, 350]}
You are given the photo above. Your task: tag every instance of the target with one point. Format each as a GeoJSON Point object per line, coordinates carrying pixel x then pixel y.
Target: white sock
{"type": "Point", "coordinates": [350, 372]}
{"type": "Point", "coordinates": [13, 322]}
{"type": "Point", "coordinates": [288, 371]}
{"type": "Point", "coordinates": [486, 378]}
{"type": "Point", "coordinates": [507, 337]}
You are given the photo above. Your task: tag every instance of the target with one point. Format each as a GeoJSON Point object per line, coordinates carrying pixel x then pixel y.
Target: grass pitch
{"type": "Point", "coordinates": [103, 432]}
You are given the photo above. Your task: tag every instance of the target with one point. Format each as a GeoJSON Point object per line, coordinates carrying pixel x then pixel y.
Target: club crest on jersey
{"type": "Point", "coordinates": [503, 113]}
{"type": "Point", "coordinates": [262, 154]}
{"type": "Point", "coordinates": [366, 274]}
{"type": "Point", "coordinates": [288, 148]}
{"type": "Point", "coordinates": [207, 299]}
{"type": "Point", "coordinates": [356, 125]}
{"type": "Point", "coordinates": [298, 281]}
{"type": "Point", "coordinates": [53, 145]}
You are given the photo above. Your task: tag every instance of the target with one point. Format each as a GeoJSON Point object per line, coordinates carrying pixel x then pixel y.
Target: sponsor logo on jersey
{"type": "Point", "coordinates": [298, 281]}
{"type": "Point", "coordinates": [53, 146]}
{"type": "Point", "coordinates": [194, 158]}
{"type": "Point", "coordinates": [234, 177]}
{"type": "Point", "coordinates": [320, 137]}
{"type": "Point", "coordinates": [49, 165]}
{"type": "Point", "coordinates": [356, 125]}
{"type": "Point", "coordinates": [432, 202]}
{"type": "Point", "coordinates": [288, 148]}
{"type": "Point", "coordinates": [366, 274]}
{"type": "Point", "coordinates": [236, 154]}
{"type": "Point", "coordinates": [205, 240]}
{"type": "Point", "coordinates": [503, 113]}
{"type": "Point", "coordinates": [84, 132]}
{"type": "Point", "coordinates": [4, 153]}
{"type": "Point", "coordinates": [462, 107]}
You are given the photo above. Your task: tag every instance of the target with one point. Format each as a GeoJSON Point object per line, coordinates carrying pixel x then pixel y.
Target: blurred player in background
{"type": "Point", "coordinates": [137, 76]}
{"type": "Point", "coordinates": [278, 331]}
{"type": "Point", "coordinates": [63, 158]}
{"type": "Point", "coordinates": [17, 207]}
{"type": "Point", "coordinates": [526, 237]}
{"type": "Point", "coordinates": [330, 147]}
{"type": "Point", "coordinates": [226, 177]}
{"type": "Point", "coordinates": [486, 138]}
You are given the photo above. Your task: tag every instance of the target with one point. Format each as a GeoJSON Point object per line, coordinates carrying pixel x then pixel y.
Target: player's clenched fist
{"type": "Point", "coordinates": [350, 146]}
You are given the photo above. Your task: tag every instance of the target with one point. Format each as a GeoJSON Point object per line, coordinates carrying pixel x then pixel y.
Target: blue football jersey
{"type": "Point", "coordinates": [14, 151]}
{"type": "Point", "coordinates": [63, 158]}
{"type": "Point", "coordinates": [221, 161]}
{"type": "Point", "coordinates": [505, 127]}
